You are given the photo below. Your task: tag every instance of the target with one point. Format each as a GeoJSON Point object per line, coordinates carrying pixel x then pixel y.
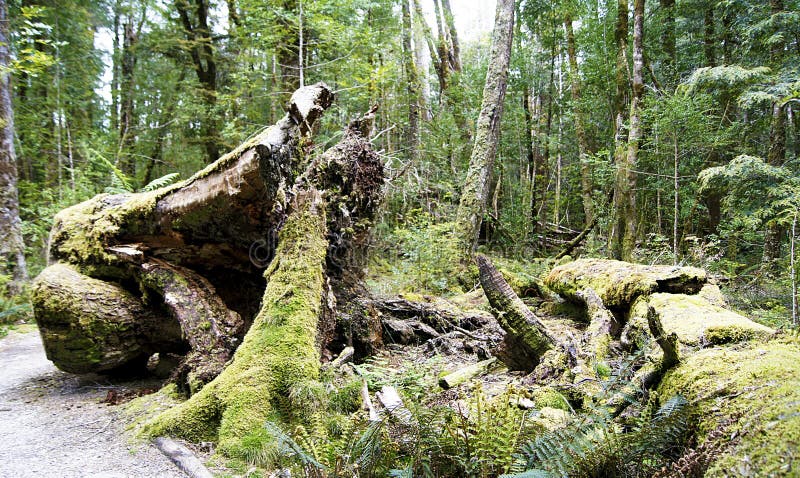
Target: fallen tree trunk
{"type": "Point", "coordinates": [619, 283]}
{"type": "Point", "coordinates": [181, 271]}
{"type": "Point", "coordinates": [279, 350]}
{"type": "Point", "coordinates": [577, 241]}
{"type": "Point", "coordinates": [527, 339]}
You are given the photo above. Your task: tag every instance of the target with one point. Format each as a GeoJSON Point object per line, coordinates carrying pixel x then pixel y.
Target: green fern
{"type": "Point", "coordinates": [594, 445]}
{"type": "Point", "coordinates": [159, 183]}
{"type": "Point", "coordinates": [290, 448]}
{"type": "Point", "coordinates": [120, 182]}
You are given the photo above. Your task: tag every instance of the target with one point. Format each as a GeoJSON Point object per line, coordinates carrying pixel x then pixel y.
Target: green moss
{"type": "Point", "coordinates": [697, 321]}
{"type": "Point", "coordinates": [82, 232]}
{"type": "Point", "coordinates": [757, 388]}
{"type": "Point", "coordinates": [549, 398]}
{"type": "Point", "coordinates": [347, 398]}
{"type": "Point", "coordinates": [278, 351]}
{"type": "Point", "coordinates": [522, 276]}
{"type": "Point", "coordinates": [618, 283]}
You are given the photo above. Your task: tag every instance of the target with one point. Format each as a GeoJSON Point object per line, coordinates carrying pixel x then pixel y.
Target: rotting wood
{"type": "Point", "coordinates": [619, 283]}
{"type": "Point", "coordinates": [465, 374]}
{"type": "Point", "coordinates": [527, 338]}
{"type": "Point", "coordinates": [182, 457]}
{"type": "Point", "coordinates": [598, 335]}
{"type": "Point", "coordinates": [187, 251]}
{"type": "Point", "coordinates": [577, 241]}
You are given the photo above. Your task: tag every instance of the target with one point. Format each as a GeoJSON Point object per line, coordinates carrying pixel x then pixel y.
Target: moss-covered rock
{"type": "Point", "coordinates": [618, 283]}
{"type": "Point", "coordinates": [697, 321]}
{"type": "Point", "coordinates": [756, 388]}
{"type": "Point", "coordinates": [87, 325]}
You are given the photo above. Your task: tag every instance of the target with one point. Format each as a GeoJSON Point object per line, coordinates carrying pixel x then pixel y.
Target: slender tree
{"type": "Point", "coordinates": [12, 248]}
{"type": "Point", "coordinates": [620, 101]}
{"type": "Point", "coordinates": [413, 88]}
{"type": "Point", "coordinates": [580, 131]}
{"type": "Point", "coordinates": [196, 27]}
{"type": "Point", "coordinates": [626, 173]}
{"type": "Point", "coordinates": [776, 153]}
{"type": "Point", "coordinates": [476, 187]}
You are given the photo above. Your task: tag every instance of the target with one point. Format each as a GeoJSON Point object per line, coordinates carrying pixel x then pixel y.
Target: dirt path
{"type": "Point", "coordinates": [53, 424]}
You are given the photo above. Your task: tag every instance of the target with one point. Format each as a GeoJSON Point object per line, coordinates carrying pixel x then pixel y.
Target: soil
{"type": "Point", "coordinates": [55, 424]}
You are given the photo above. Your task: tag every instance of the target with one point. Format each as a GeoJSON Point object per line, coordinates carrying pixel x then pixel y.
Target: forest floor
{"type": "Point", "coordinates": [54, 423]}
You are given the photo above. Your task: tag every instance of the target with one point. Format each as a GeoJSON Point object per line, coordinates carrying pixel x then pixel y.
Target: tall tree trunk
{"type": "Point", "coordinates": [421, 60]}
{"type": "Point", "coordinates": [476, 188]}
{"type": "Point", "coordinates": [709, 37]}
{"type": "Point", "coordinates": [445, 61]}
{"type": "Point", "coordinates": [200, 46]}
{"type": "Point", "coordinates": [115, 60]}
{"type": "Point", "coordinates": [620, 101]}
{"type": "Point", "coordinates": [776, 154]}
{"type": "Point", "coordinates": [580, 132]}
{"type": "Point", "coordinates": [126, 133]}
{"type": "Point", "coordinates": [12, 248]}
{"type": "Point", "coordinates": [412, 88]}
{"type": "Point", "coordinates": [626, 173]}
{"type": "Point", "coordinates": [668, 41]}
{"type": "Point", "coordinates": [452, 36]}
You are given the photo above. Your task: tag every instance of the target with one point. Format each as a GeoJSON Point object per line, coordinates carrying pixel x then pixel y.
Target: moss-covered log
{"type": "Point", "coordinates": [88, 325]}
{"type": "Point", "coordinates": [527, 338]}
{"type": "Point", "coordinates": [746, 401]}
{"type": "Point", "coordinates": [619, 283]}
{"type": "Point", "coordinates": [209, 220]}
{"type": "Point", "coordinates": [695, 320]}
{"type": "Point", "coordinates": [278, 351]}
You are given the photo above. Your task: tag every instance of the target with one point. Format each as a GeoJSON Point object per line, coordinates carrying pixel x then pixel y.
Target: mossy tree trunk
{"type": "Point", "coordinates": [476, 186]}
{"type": "Point", "coordinates": [279, 350]}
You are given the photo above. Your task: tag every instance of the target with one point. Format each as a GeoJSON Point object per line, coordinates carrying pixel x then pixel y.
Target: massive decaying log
{"type": "Point", "coordinates": [181, 271]}
{"type": "Point", "coordinates": [88, 325]}
{"type": "Point", "coordinates": [618, 283]}
{"type": "Point", "coordinates": [279, 350]}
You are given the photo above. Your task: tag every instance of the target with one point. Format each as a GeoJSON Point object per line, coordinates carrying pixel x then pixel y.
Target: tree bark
{"type": "Point", "coordinates": [12, 247]}
{"type": "Point", "coordinates": [580, 132]}
{"type": "Point", "coordinates": [476, 186]}
{"type": "Point", "coordinates": [527, 339]}
{"type": "Point", "coordinates": [626, 173]}
{"type": "Point", "coordinates": [126, 159]}
{"type": "Point", "coordinates": [452, 36]}
{"type": "Point", "coordinates": [620, 101]}
{"type": "Point", "coordinates": [413, 87]}
{"type": "Point", "coordinates": [668, 42]}
{"type": "Point", "coordinates": [709, 36]}
{"type": "Point", "coordinates": [200, 45]}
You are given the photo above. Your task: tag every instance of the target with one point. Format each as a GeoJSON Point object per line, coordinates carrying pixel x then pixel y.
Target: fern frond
{"type": "Point", "coordinates": [120, 182]}
{"type": "Point", "coordinates": [159, 183]}
{"type": "Point", "coordinates": [291, 448]}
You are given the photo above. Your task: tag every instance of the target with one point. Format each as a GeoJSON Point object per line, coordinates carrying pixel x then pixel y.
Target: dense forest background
{"type": "Point", "coordinates": [689, 157]}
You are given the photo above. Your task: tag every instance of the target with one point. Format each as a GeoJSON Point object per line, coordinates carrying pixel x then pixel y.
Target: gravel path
{"type": "Point", "coordinates": [54, 424]}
